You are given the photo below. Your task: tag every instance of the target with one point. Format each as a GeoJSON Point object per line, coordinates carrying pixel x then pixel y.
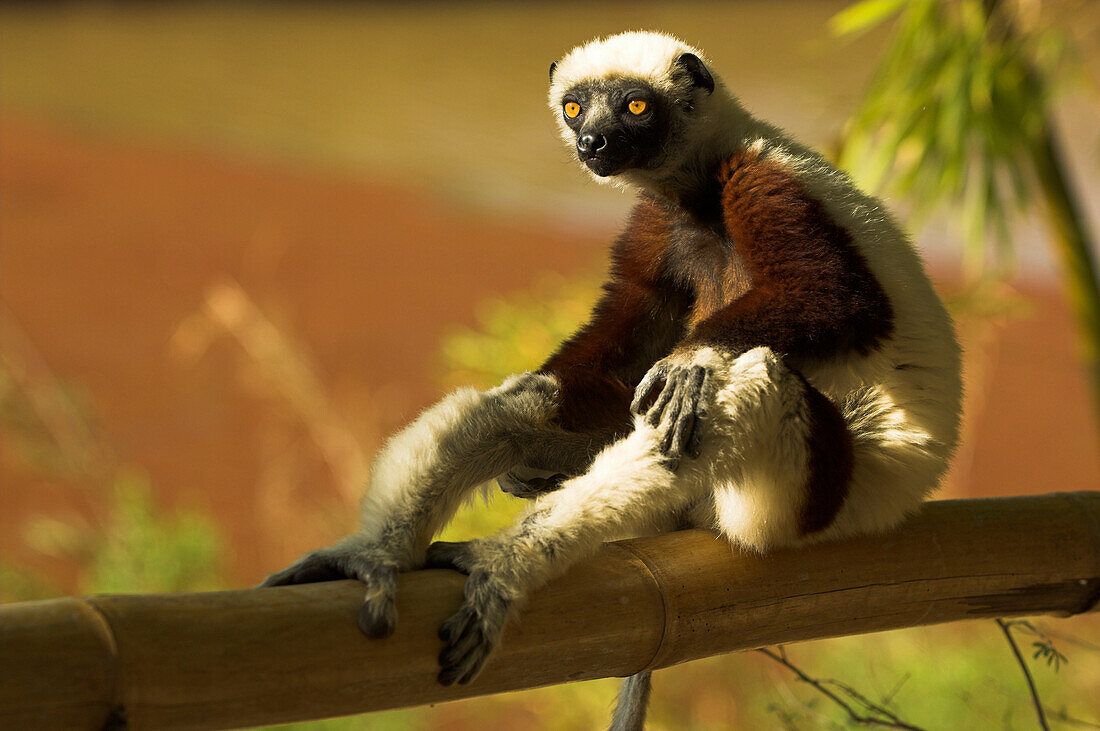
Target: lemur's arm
{"type": "Point", "coordinates": [638, 320]}
{"type": "Point", "coordinates": [632, 325]}
{"type": "Point", "coordinates": [598, 366]}
{"type": "Point", "coordinates": [812, 294]}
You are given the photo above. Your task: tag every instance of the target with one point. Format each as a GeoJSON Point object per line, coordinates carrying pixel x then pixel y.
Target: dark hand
{"type": "Point", "coordinates": [679, 408]}
{"type": "Point", "coordinates": [530, 487]}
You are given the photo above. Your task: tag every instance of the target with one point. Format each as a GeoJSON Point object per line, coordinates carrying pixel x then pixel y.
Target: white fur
{"type": "Point", "coordinates": [636, 54]}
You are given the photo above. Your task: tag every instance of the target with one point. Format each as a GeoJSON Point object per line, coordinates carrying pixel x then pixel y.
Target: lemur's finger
{"type": "Point", "coordinates": [653, 416]}
{"type": "Point", "coordinates": [449, 675]}
{"type": "Point", "coordinates": [467, 666]}
{"type": "Point", "coordinates": [646, 387]}
{"type": "Point", "coordinates": [317, 574]}
{"type": "Point", "coordinates": [465, 635]}
{"type": "Point", "coordinates": [682, 428]}
{"type": "Point", "coordinates": [462, 660]}
{"type": "Point", "coordinates": [549, 484]}
{"type": "Point", "coordinates": [281, 578]}
{"type": "Point", "coordinates": [698, 385]}
{"type": "Point", "coordinates": [682, 421]}
{"type": "Point", "coordinates": [457, 664]}
{"type": "Point", "coordinates": [456, 625]}
{"type": "Point", "coordinates": [531, 487]}
{"type": "Point", "coordinates": [671, 416]}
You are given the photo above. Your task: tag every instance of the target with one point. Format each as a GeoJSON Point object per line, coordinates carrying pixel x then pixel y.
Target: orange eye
{"type": "Point", "coordinates": [572, 109]}
{"type": "Point", "coordinates": [637, 106]}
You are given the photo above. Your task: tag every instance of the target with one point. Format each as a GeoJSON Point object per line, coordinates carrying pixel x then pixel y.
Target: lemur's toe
{"type": "Point", "coordinates": [474, 661]}
{"type": "Point", "coordinates": [456, 626]}
{"type": "Point", "coordinates": [473, 632]}
{"type": "Point", "coordinates": [462, 659]}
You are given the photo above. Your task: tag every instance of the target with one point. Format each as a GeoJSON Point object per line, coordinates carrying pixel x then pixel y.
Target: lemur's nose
{"type": "Point", "coordinates": [589, 144]}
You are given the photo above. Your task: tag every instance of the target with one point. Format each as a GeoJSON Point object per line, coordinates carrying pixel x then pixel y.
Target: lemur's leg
{"type": "Point", "coordinates": [421, 477]}
{"type": "Point", "coordinates": [757, 430]}
{"type": "Point", "coordinates": [631, 488]}
{"type": "Point", "coordinates": [782, 451]}
{"type": "Point", "coordinates": [627, 490]}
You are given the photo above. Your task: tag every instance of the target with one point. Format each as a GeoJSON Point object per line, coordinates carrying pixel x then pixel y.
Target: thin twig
{"type": "Point", "coordinates": [889, 697]}
{"type": "Point", "coordinates": [1027, 674]}
{"type": "Point", "coordinates": [1065, 718]}
{"type": "Point", "coordinates": [890, 721]}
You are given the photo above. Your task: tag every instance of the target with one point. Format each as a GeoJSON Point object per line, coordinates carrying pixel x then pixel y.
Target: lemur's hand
{"type": "Point", "coordinates": [673, 396]}
{"type": "Point", "coordinates": [356, 560]}
{"type": "Point", "coordinates": [530, 487]}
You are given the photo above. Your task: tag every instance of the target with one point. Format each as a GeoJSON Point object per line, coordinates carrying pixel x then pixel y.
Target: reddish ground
{"type": "Point", "coordinates": [108, 246]}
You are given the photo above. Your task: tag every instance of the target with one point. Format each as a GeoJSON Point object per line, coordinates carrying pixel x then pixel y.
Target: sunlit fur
{"type": "Point", "coordinates": [900, 402]}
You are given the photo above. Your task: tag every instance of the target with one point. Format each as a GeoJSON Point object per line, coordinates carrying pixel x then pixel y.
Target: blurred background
{"type": "Point", "coordinates": [243, 242]}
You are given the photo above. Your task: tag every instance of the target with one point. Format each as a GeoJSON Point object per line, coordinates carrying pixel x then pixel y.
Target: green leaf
{"type": "Point", "coordinates": [862, 16]}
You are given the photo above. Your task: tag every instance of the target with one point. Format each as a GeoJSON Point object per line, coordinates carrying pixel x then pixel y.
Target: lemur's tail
{"type": "Point", "coordinates": [632, 702]}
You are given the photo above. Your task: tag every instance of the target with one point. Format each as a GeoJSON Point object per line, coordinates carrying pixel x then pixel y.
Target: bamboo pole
{"type": "Point", "coordinates": [261, 656]}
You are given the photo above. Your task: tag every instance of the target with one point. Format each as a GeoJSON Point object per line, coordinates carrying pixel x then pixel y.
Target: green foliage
{"type": "Point", "coordinates": [517, 334]}
{"type": "Point", "coordinates": [140, 548]}
{"type": "Point", "coordinates": [1043, 646]}
{"type": "Point", "coordinates": [145, 550]}
{"type": "Point", "coordinates": [860, 17]}
{"type": "Point", "coordinates": [952, 108]}
{"type": "Point", "coordinates": [1048, 652]}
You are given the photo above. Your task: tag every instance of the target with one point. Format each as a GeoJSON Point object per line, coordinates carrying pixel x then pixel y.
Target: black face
{"type": "Point", "coordinates": [619, 125]}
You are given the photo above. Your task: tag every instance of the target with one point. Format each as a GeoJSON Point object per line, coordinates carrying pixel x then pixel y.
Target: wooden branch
{"type": "Point", "coordinates": [260, 656]}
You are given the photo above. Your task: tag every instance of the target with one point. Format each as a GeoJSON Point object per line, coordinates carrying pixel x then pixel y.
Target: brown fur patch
{"type": "Point", "coordinates": [592, 402]}
{"type": "Point", "coordinates": [830, 462]}
{"type": "Point", "coordinates": [812, 293]}
{"type": "Point", "coordinates": [637, 321]}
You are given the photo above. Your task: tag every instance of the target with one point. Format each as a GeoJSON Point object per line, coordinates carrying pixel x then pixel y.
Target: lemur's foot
{"type": "Point", "coordinates": [473, 632]}
{"type": "Point", "coordinates": [378, 615]}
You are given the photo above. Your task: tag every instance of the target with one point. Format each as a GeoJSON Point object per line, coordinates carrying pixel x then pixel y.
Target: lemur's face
{"type": "Point", "coordinates": [618, 125]}
{"type": "Point", "coordinates": [628, 104]}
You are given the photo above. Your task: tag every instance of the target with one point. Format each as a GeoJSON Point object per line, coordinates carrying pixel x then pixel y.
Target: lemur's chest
{"type": "Point", "coordinates": [704, 262]}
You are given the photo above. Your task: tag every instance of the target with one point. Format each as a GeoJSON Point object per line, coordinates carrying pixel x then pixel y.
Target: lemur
{"type": "Point", "coordinates": [768, 359]}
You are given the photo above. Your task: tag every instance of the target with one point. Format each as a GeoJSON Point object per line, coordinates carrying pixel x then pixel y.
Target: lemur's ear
{"type": "Point", "coordinates": [553, 66]}
{"type": "Point", "coordinates": [700, 77]}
